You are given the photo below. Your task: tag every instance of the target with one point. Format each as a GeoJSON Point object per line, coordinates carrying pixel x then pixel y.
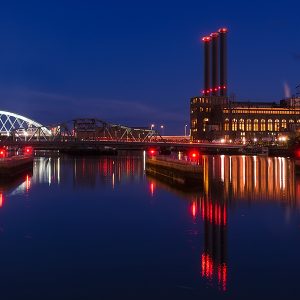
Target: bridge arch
{"type": "Point", "coordinates": [18, 125]}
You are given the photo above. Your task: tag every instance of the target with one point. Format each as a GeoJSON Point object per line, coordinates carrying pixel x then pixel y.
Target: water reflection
{"type": "Point", "coordinates": [227, 180]}
{"type": "Point", "coordinates": [19, 184]}
{"type": "Point", "coordinates": [87, 171]}
{"type": "Point", "coordinates": [252, 178]}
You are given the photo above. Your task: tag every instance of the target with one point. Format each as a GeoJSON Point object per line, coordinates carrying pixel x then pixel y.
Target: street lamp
{"type": "Point", "coordinates": [162, 127]}
{"type": "Point", "coordinates": [152, 126]}
{"type": "Point", "coordinates": [185, 126]}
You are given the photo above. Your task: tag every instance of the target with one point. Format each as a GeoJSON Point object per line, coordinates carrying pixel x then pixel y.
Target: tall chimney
{"type": "Point", "coordinates": [214, 63]}
{"type": "Point", "coordinates": [223, 61]}
{"type": "Point", "coordinates": [207, 89]}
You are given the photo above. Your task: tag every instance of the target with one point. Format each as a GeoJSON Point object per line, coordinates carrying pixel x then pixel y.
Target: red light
{"type": "Point", "coordinates": [194, 155]}
{"type": "Point", "coordinates": [2, 153]}
{"type": "Point", "coordinates": [216, 89]}
{"type": "Point", "coordinates": [27, 150]}
{"type": "Point", "coordinates": [223, 30]}
{"type": "Point", "coordinates": [214, 34]}
{"type": "Point", "coordinates": [206, 39]}
{"type": "Point", "coordinates": [152, 151]}
{"type": "Point", "coordinates": [297, 153]}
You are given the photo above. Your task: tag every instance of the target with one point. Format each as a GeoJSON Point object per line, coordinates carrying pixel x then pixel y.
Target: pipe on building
{"type": "Point", "coordinates": [223, 61]}
{"type": "Point", "coordinates": [214, 63]}
{"type": "Point", "coordinates": [207, 88]}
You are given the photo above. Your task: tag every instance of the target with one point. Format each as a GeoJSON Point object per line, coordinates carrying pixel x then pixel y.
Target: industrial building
{"type": "Point", "coordinates": [216, 116]}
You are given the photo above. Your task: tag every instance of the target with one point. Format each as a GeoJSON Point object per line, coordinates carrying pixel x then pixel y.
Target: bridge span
{"type": "Point", "coordinates": [125, 145]}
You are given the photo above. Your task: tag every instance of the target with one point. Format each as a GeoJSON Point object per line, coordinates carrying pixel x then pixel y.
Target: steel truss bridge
{"type": "Point", "coordinates": [87, 133]}
{"type": "Point", "coordinates": [17, 128]}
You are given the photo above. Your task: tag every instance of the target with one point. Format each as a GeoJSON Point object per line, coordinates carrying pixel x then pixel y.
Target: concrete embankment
{"type": "Point", "coordinates": [11, 166]}
{"type": "Point", "coordinates": [180, 172]}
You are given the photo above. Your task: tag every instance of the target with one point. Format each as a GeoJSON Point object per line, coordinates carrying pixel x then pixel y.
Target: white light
{"type": "Point", "coordinates": [283, 138]}
{"type": "Point", "coordinates": [255, 140]}
{"type": "Point", "coordinates": [222, 141]}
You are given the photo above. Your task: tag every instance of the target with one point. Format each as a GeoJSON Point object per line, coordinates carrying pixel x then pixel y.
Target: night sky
{"type": "Point", "coordinates": [139, 62]}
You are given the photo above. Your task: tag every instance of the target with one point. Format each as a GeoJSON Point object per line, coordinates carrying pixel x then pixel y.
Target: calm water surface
{"type": "Point", "coordinates": [99, 228]}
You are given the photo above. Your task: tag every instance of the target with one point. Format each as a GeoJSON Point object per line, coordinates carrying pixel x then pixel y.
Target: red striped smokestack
{"type": "Point", "coordinates": [214, 63]}
{"type": "Point", "coordinates": [223, 61]}
{"type": "Point", "coordinates": [207, 89]}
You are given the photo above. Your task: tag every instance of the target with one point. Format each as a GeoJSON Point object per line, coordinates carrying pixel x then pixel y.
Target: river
{"type": "Point", "coordinates": [100, 228]}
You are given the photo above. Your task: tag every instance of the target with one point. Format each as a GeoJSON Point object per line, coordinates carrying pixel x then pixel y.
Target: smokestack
{"type": "Point", "coordinates": [223, 61]}
{"type": "Point", "coordinates": [207, 89]}
{"type": "Point", "coordinates": [214, 63]}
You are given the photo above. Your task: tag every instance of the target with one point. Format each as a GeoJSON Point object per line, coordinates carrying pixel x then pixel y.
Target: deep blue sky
{"type": "Point", "coordinates": [138, 62]}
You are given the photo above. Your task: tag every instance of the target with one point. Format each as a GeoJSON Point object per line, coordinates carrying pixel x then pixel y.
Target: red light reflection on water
{"type": "Point", "coordinates": [214, 267]}
{"type": "Point", "coordinates": [209, 269]}
{"type": "Point", "coordinates": [207, 266]}
{"type": "Point", "coordinates": [222, 276]}
{"type": "Point", "coordinates": [152, 187]}
{"type": "Point", "coordinates": [215, 213]}
{"type": "Point", "coordinates": [194, 209]}
{"type": "Point", "coordinates": [28, 182]}
{"type": "Point", "coordinates": [1, 199]}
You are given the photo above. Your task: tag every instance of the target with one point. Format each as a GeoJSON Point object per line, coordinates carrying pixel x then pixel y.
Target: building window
{"type": "Point", "coordinates": [194, 123]}
{"type": "Point", "coordinates": [276, 125]}
{"type": "Point", "coordinates": [270, 125]}
{"type": "Point", "coordinates": [255, 125]}
{"type": "Point", "coordinates": [234, 125]}
{"type": "Point", "coordinates": [291, 121]}
{"type": "Point", "coordinates": [242, 124]}
{"type": "Point", "coordinates": [226, 125]}
{"type": "Point", "coordinates": [248, 125]}
{"type": "Point", "coordinates": [262, 125]}
{"type": "Point", "coordinates": [205, 121]}
{"type": "Point", "coordinates": [283, 124]}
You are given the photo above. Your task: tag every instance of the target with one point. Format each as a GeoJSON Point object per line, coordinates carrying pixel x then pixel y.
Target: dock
{"type": "Point", "coordinates": [14, 165]}
{"type": "Point", "coordinates": [174, 170]}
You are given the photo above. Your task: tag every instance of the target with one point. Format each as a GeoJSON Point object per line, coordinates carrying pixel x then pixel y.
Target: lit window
{"type": "Point", "coordinates": [205, 121]}
{"type": "Point", "coordinates": [234, 125]}
{"type": "Point", "coordinates": [262, 125]}
{"type": "Point", "coordinates": [255, 125]}
{"type": "Point", "coordinates": [283, 124]}
{"type": "Point", "coordinates": [248, 125]}
{"type": "Point", "coordinates": [226, 125]}
{"type": "Point", "coordinates": [276, 125]}
{"type": "Point", "coordinates": [242, 125]}
{"type": "Point", "coordinates": [270, 125]}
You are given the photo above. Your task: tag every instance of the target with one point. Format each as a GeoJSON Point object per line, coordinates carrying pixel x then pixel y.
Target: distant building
{"type": "Point", "coordinates": [214, 115]}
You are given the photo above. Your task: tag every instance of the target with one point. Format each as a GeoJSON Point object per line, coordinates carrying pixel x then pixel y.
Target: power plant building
{"type": "Point", "coordinates": [214, 115]}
